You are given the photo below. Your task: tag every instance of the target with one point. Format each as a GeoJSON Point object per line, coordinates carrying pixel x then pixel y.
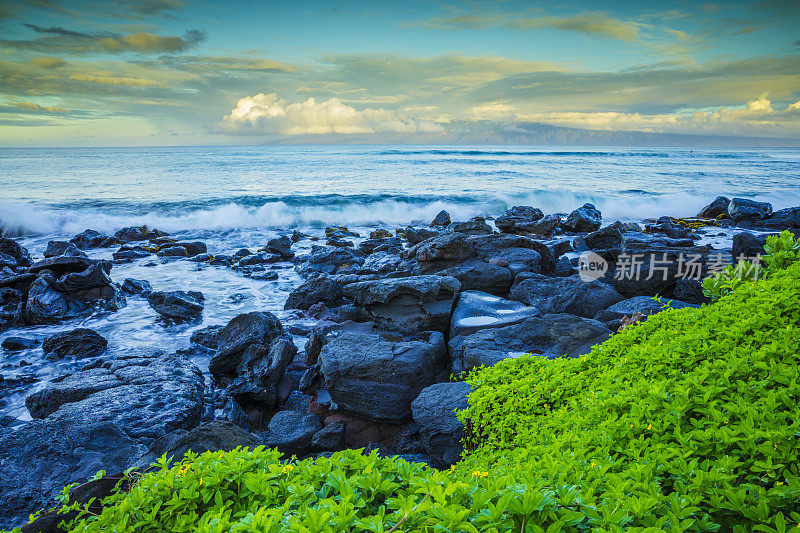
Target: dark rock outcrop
{"type": "Point", "coordinates": [180, 306]}
{"type": "Point", "coordinates": [747, 246]}
{"type": "Point", "coordinates": [585, 218]}
{"type": "Point", "coordinates": [564, 295]}
{"type": "Point", "coordinates": [742, 209]}
{"type": "Point", "coordinates": [325, 289]}
{"type": "Point", "coordinates": [440, 430]}
{"type": "Point", "coordinates": [77, 343]}
{"type": "Point", "coordinates": [291, 432]}
{"type": "Point", "coordinates": [478, 310]}
{"type": "Point", "coordinates": [716, 208]}
{"type": "Point", "coordinates": [136, 286]}
{"type": "Point", "coordinates": [642, 305]}
{"type": "Point", "coordinates": [519, 219]}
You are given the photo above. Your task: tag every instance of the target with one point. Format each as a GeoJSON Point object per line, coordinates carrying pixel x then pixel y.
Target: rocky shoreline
{"type": "Point", "coordinates": [397, 317]}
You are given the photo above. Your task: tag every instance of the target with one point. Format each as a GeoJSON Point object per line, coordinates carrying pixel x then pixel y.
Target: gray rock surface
{"type": "Point", "coordinates": [564, 295]}
{"type": "Point", "coordinates": [440, 430]}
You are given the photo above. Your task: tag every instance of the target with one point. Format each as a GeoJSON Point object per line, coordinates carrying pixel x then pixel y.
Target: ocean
{"type": "Point", "coordinates": [240, 196]}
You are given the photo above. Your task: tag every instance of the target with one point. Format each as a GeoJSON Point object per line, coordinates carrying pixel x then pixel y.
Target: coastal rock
{"type": "Point", "coordinates": [417, 235]}
{"type": "Point", "coordinates": [282, 246]}
{"type": "Point", "coordinates": [17, 344]}
{"type": "Point", "coordinates": [91, 239]}
{"type": "Point", "coordinates": [72, 388]}
{"type": "Point", "coordinates": [63, 265]}
{"type": "Point", "coordinates": [180, 306]}
{"type": "Point", "coordinates": [319, 289]}
{"type": "Point", "coordinates": [548, 336]}
{"type": "Point", "coordinates": [14, 250]}
{"type": "Point", "coordinates": [453, 247]}
{"type": "Point", "coordinates": [243, 331]}
{"type": "Point", "coordinates": [604, 239]}
{"type": "Point", "coordinates": [652, 271]}
{"type": "Point", "coordinates": [77, 343]}
{"type": "Point", "coordinates": [172, 251]}
{"type": "Point", "coordinates": [478, 275]}
{"type": "Point", "coordinates": [291, 432]}
{"type": "Point", "coordinates": [138, 233]}
{"type": "Point", "coordinates": [384, 263]}
{"type": "Point", "coordinates": [585, 218]}
{"type": "Point", "coordinates": [12, 308]}
{"type": "Point", "coordinates": [213, 436]}
{"type": "Point", "coordinates": [262, 258]}
{"type": "Point", "coordinates": [56, 248]}
{"type": "Point", "coordinates": [136, 286]}
{"type": "Point", "coordinates": [207, 337]}
{"type": "Point", "coordinates": [518, 219]}
{"type": "Point", "coordinates": [478, 310]}
{"type": "Point", "coordinates": [544, 227]}
{"type": "Point", "coordinates": [742, 209]}
{"type": "Point", "coordinates": [442, 219]}
{"type": "Point", "coordinates": [782, 219]}
{"type": "Point", "coordinates": [128, 254]}
{"type": "Point", "coordinates": [475, 226]}
{"type": "Point", "coordinates": [642, 305]}
{"type": "Point", "coordinates": [746, 246]}
{"type": "Point", "coordinates": [330, 260]}
{"type": "Point", "coordinates": [330, 438]}
{"type": "Point", "coordinates": [440, 430]}
{"type": "Point", "coordinates": [504, 247]}
{"type": "Point", "coordinates": [564, 268]}
{"type": "Point", "coordinates": [716, 208]}
{"type": "Point", "coordinates": [413, 304]}
{"type": "Point", "coordinates": [377, 377]}
{"type": "Point", "coordinates": [564, 295]}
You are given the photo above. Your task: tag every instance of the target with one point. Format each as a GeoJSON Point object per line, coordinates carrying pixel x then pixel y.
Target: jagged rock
{"type": "Point", "coordinates": [550, 336]}
{"type": "Point", "coordinates": [173, 251]}
{"type": "Point", "coordinates": [13, 249]}
{"type": "Point", "coordinates": [177, 305]}
{"type": "Point", "coordinates": [478, 310]}
{"type": "Point", "coordinates": [564, 295]}
{"type": "Point", "coordinates": [262, 258]}
{"type": "Point", "coordinates": [78, 343]}
{"type": "Point", "coordinates": [320, 289]}
{"type": "Point", "coordinates": [243, 331]}
{"type": "Point", "coordinates": [564, 268]}
{"type": "Point", "coordinates": [782, 219]}
{"type": "Point", "coordinates": [136, 286]}
{"type": "Point", "coordinates": [207, 337]}
{"type": "Point", "coordinates": [62, 265]}
{"type": "Point", "coordinates": [478, 275]}
{"type": "Point", "coordinates": [56, 248]}
{"type": "Point", "coordinates": [330, 260]}
{"type": "Point", "coordinates": [380, 234]}
{"type": "Point", "coordinates": [417, 235]}
{"type": "Point", "coordinates": [291, 432]}
{"type": "Point", "coordinates": [130, 254]}
{"type": "Point", "coordinates": [17, 344]}
{"type": "Point", "coordinates": [585, 218]}
{"type": "Point", "coordinates": [383, 263]}
{"type": "Point", "coordinates": [140, 233]}
{"type": "Point", "coordinates": [316, 340]}
{"type": "Point", "coordinates": [417, 303]}
{"type": "Point", "coordinates": [377, 377]}
{"type": "Point", "coordinates": [604, 239]}
{"type": "Point", "coordinates": [448, 247]}
{"type": "Point", "coordinates": [442, 219]}
{"type": "Point", "coordinates": [742, 209]}
{"type": "Point", "coordinates": [518, 219]}
{"type": "Point", "coordinates": [330, 438]}
{"type": "Point", "coordinates": [12, 308]}
{"type": "Point", "coordinates": [90, 239]}
{"type": "Point", "coordinates": [475, 226]}
{"type": "Point", "coordinates": [643, 305]}
{"type": "Point", "coordinates": [747, 246]}
{"type": "Point", "coordinates": [514, 250]}
{"type": "Point", "coordinates": [440, 430]}
{"type": "Point", "coordinates": [656, 271]}
{"type": "Point", "coordinates": [716, 208]}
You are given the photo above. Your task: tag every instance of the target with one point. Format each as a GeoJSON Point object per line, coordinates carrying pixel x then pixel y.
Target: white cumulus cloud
{"type": "Point", "coordinates": [266, 113]}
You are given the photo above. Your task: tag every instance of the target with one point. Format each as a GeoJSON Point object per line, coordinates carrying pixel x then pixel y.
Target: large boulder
{"type": "Point", "coordinates": [606, 238]}
{"type": "Point", "coordinates": [440, 429]}
{"type": "Point", "coordinates": [551, 336]}
{"type": "Point", "coordinates": [642, 305]}
{"type": "Point", "coordinates": [442, 219]}
{"type": "Point", "coordinates": [330, 260]}
{"type": "Point", "coordinates": [478, 310]}
{"type": "Point", "coordinates": [56, 248]}
{"type": "Point", "coordinates": [77, 343]}
{"type": "Point", "coordinates": [14, 250]}
{"type": "Point", "coordinates": [742, 209]}
{"type": "Point", "coordinates": [474, 226]}
{"type": "Point", "coordinates": [417, 235]}
{"type": "Point", "coordinates": [450, 247]}
{"type": "Point", "coordinates": [376, 376]}
{"type": "Point", "coordinates": [413, 304]}
{"type": "Point", "coordinates": [325, 289]}
{"type": "Point", "coordinates": [91, 239]}
{"type": "Point", "coordinates": [475, 274]}
{"type": "Point", "coordinates": [514, 251]}
{"type": "Point", "coordinates": [564, 295]}
{"type": "Point", "coordinates": [782, 219]}
{"type": "Point", "coordinates": [518, 219]}
{"type": "Point", "coordinates": [291, 432]}
{"type": "Point", "coordinates": [747, 246]}
{"type": "Point", "coordinates": [716, 208]}
{"type": "Point", "coordinates": [585, 218]}
{"type": "Point", "coordinates": [138, 233]}
{"type": "Point", "coordinates": [180, 306]}
{"type": "Point", "coordinates": [97, 419]}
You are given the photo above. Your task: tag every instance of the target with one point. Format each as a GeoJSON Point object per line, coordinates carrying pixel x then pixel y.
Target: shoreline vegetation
{"type": "Point", "coordinates": [618, 377]}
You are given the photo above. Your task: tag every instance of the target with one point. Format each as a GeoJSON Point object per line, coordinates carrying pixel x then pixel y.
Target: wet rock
{"type": "Point", "coordinates": [181, 306]}
{"type": "Point", "coordinates": [475, 226]}
{"type": "Point", "coordinates": [652, 271]}
{"type": "Point", "coordinates": [316, 340]}
{"type": "Point", "coordinates": [690, 291]}
{"type": "Point", "coordinates": [643, 305]}
{"type": "Point", "coordinates": [440, 430]}
{"type": "Point", "coordinates": [564, 295]}
{"type": "Point", "coordinates": [478, 275]}
{"type": "Point", "coordinates": [564, 268]}
{"type": "Point", "coordinates": [389, 245]}
{"type": "Point", "coordinates": [544, 227]}
{"type": "Point", "coordinates": [243, 331]}
{"type": "Point", "coordinates": [516, 251]}
{"type": "Point", "coordinates": [478, 310]}
{"type": "Point", "coordinates": [282, 246]}
{"type": "Point", "coordinates": [13, 249]}
{"type": "Point", "coordinates": [17, 344]}
{"type": "Point", "coordinates": [216, 435]}
{"type": "Point", "coordinates": [105, 430]}
{"type": "Point", "coordinates": [319, 289]}
{"type": "Point", "coordinates": [716, 208]}
{"type": "Point", "coordinates": [380, 234]}
{"type": "Point", "coordinates": [140, 233]}
{"type": "Point", "coordinates": [550, 336]}
{"type": "Point", "coordinates": [172, 251]}
{"type": "Point", "coordinates": [72, 388]}
{"type": "Point", "coordinates": [56, 248]}
{"type": "Point", "coordinates": [291, 432]}
{"type": "Point", "coordinates": [12, 308]}
{"type": "Point", "coordinates": [232, 412]}
{"type": "Point", "coordinates": [442, 219]}
{"type": "Point", "coordinates": [670, 229]}
{"type": "Point", "coordinates": [518, 219]}
{"type": "Point", "coordinates": [746, 246]}
{"type": "Point", "coordinates": [77, 343]}
{"type": "Point", "coordinates": [330, 260]}
{"type": "Point", "coordinates": [782, 219]}
{"type": "Point", "coordinates": [62, 265]}
{"type": "Point", "coordinates": [454, 247]}
{"type": "Point", "coordinates": [207, 337]}
{"type": "Point", "coordinates": [417, 235]}
{"type": "Point", "coordinates": [262, 258]}
{"type": "Point", "coordinates": [742, 209]}
{"type": "Point", "coordinates": [377, 376]}
{"type": "Point", "coordinates": [384, 263]}
{"type": "Point", "coordinates": [413, 304]}
{"type": "Point", "coordinates": [330, 438]}
{"type": "Point", "coordinates": [136, 286]}
{"type": "Point", "coordinates": [583, 219]}
{"type": "Point", "coordinates": [604, 239]}
{"type": "Point", "coordinates": [130, 254]}
{"type": "Point", "coordinates": [91, 239]}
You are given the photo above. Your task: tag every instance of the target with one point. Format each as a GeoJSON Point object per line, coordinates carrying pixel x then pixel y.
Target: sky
{"type": "Point", "coordinates": [176, 72]}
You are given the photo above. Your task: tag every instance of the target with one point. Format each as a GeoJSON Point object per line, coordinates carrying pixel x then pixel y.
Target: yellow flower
{"type": "Point", "coordinates": [779, 483]}
{"type": "Point", "coordinates": [649, 427]}
{"type": "Point", "coordinates": [478, 473]}
{"type": "Point", "coordinates": [593, 464]}
{"type": "Point", "coordinates": [201, 481]}
{"type": "Point", "coordinates": [287, 468]}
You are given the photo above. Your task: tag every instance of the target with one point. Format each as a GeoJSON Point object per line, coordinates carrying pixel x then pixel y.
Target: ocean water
{"type": "Point", "coordinates": [235, 197]}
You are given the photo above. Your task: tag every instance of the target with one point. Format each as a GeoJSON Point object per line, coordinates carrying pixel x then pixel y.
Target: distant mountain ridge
{"type": "Point", "coordinates": [547, 135]}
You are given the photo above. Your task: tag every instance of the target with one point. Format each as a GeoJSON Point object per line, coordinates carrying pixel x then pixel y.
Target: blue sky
{"type": "Point", "coordinates": [175, 72]}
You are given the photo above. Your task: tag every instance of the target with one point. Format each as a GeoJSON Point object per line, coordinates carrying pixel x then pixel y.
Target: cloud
{"type": "Point", "coordinates": [113, 80]}
{"type": "Point", "coordinates": [48, 62]}
{"type": "Point", "coordinates": [33, 108]}
{"type": "Point", "coordinates": [216, 64]}
{"type": "Point", "coordinates": [592, 24]}
{"type": "Point", "coordinates": [58, 40]}
{"type": "Point", "coordinates": [266, 113]}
